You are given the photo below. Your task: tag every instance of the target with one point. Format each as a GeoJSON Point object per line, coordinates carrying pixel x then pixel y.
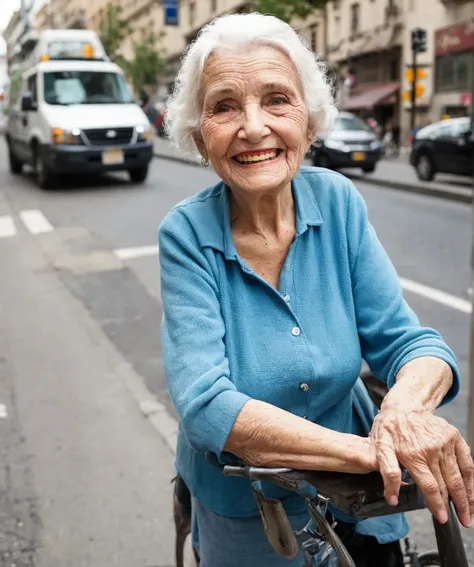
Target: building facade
{"type": "Point", "coordinates": [454, 62]}
{"type": "Point", "coordinates": [369, 47]}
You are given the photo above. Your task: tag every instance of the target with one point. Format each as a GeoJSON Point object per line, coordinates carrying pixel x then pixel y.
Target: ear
{"type": "Point", "coordinates": [200, 145]}
{"type": "Point", "coordinates": [311, 131]}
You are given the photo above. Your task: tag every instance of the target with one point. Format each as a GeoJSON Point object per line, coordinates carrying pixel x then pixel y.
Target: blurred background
{"type": "Point", "coordinates": [87, 431]}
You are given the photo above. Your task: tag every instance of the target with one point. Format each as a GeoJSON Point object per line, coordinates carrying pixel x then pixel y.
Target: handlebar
{"type": "Point", "coordinates": [359, 495]}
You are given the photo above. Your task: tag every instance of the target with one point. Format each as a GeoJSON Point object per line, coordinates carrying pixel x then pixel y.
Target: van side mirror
{"type": "Point", "coordinates": [27, 102]}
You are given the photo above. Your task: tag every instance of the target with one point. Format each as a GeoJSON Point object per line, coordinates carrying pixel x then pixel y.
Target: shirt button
{"type": "Point", "coordinates": [287, 299]}
{"type": "Point", "coordinates": [304, 387]}
{"type": "Point", "coordinates": [295, 331]}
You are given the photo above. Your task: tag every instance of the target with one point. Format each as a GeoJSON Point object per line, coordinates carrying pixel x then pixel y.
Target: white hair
{"type": "Point", "coordinates": [234, 31]}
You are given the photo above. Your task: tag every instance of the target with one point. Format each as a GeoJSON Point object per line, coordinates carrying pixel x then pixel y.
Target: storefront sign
{"type": "Point", "coordinates": [455, 38]}
{"type": "Point", "coordinates": [171, 12]}
{"type": "Point", "coordinates": [466, 99]}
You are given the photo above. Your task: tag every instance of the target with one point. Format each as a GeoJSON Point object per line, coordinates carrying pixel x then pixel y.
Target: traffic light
{"type": "Point", "coordinates": [418, 40]}
{"type": "Point", "coordinates": [420, 74]}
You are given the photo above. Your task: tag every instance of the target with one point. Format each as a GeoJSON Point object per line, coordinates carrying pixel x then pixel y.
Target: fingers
{"type": "Point", "coordinates": [390, 471]}
{"type": "Point", "coordinates": [430, 488]}
{"type": "Point", "coordinates": [466, 466]}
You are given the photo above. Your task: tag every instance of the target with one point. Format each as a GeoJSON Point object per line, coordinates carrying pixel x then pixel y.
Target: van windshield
{"type": "Point", "coordinates": [85, 87]}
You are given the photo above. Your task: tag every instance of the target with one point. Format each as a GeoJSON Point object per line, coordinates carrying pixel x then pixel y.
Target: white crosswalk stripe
{"type": "Point", "coordinates": [7, 227]}
{"type": "Point", "coordinates": [33, 219]}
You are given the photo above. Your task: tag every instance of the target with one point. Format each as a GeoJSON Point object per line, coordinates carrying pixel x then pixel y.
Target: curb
{"type": "Point", "coordinates": [457, 195]}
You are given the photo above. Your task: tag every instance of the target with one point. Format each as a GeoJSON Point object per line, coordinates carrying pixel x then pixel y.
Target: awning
{"type": "Point", "coordinates": [371, 97]}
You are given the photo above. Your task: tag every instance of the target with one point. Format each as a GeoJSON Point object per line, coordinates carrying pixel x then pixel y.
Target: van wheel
{"type": "Point", "coordinates": [16, 166]}
{"type": "Point", "coordinates": [425, 168]}
{"type": "Point", "coordinates": [138, 175]}
{"type": "Point", "coordinates": [44, 176]}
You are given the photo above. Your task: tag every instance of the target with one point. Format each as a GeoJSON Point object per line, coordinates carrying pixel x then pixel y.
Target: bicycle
{"type": "Point", "coordinates": [359, 495]}
{"type": "Point", "coordinates": [352, 494]}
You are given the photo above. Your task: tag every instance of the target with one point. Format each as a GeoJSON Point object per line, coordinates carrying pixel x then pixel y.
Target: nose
{"type": "Point", "coordinates": [254, 126]}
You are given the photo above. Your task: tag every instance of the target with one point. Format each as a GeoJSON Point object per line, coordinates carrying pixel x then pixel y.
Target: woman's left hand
{"type": "Point", "coordinates": [435, 455]}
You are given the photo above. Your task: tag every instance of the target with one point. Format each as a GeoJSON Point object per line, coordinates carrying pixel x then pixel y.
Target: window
{"type": "Point", "coordinates": [31, 87]}
{"type": "Point", "coordinates": [313, 30]}
{"type": "Point", "coordinates": [355, 18]}
{"type": "Point", "coordinates": [213, 6]}
{"type": "Point", "coordinates": [85, 87]}
{"type": "Point", "coordinates": [192, 13]}
{"type": "Point", "coordinates": [453, 72]}
{"type": "Point", "coordinates": [352, 124]}
{"type": "Point", "coordinates": [394, 70]}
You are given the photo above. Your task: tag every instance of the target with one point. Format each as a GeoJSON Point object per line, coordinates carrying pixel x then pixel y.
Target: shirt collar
{"type": "Point", "coordinates": [307, 214]}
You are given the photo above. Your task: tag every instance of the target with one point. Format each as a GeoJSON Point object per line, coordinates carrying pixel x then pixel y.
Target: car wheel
{"type": "Point", "coordinates": [15, 164]}
{"type": "Point", "coordinates": [44, 176]}
{"type": "Point", "coordinates": [369, 168]}
{"type": "Point", "coordinates": [138, 175]}
{"type": "Point", "coordinates": [425, 168]}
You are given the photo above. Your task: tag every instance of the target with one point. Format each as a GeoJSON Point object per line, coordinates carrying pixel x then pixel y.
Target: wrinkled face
{"type": "Point", "coordinates": [255, 127]}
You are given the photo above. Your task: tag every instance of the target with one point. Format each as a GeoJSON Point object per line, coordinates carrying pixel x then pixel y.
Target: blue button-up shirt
{"type": "Point", "coordinates": [229, 336]}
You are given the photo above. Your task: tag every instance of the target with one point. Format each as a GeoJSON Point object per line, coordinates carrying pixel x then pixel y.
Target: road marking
{"type": "Point", "coordinates": [7, 227]}
{"type": "Point", "coordinates": [438, 296]}
{"type": "Point", "coordinates": [3, 411]}
{"type": "Point", "coordinates": [137, 252]}
{"type": "Point", "coordinates": [35, 221]}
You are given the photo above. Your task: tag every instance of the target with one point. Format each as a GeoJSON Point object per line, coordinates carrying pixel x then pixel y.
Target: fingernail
{"type": "Point", "coordinates": [393, 501]}
{"type": "Point", "coordinates": [442, 516]}
{"type": "Point", "coordinates": [467, 521]}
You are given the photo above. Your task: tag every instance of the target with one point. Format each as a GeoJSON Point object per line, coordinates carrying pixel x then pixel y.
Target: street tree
{"type": "Point", "coordinates": [112, 30]}
{"type": "Point", "coordinates": [148, 63]}
{"type": "Point", "coordinates": [288, 9]}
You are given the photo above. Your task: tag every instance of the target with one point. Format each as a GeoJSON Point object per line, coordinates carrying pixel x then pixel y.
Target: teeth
{"type": "Point", "coordinates": [262, 157]}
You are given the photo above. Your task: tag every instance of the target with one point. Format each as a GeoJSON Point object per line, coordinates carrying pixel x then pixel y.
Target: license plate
{"type": "Point", "coordinates": [358, 156]}
{"type": "Point", "coordinates": [112, 157]}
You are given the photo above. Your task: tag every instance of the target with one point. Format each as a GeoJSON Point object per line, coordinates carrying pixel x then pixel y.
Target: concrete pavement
{"type": "Point", "coordinates": [84, 478]}
{"type": "Point", "coordinates": [396, 174]}
{"type": "Point", "coordinates": [80, 345]}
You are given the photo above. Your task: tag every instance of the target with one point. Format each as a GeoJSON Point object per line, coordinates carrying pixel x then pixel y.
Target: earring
{"type": "Point", "coordinates": [205, 162]}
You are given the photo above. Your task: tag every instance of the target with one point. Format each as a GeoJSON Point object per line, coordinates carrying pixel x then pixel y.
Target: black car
{"type": "Point", "coordinates": [352, 143]}
{"type": "Point", "coordinates": [444, 147]}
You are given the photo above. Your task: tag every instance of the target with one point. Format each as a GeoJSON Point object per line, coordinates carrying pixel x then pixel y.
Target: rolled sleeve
{"type": "Point", "coordinates": [196, 367]}
{"type": "Point", "coordinates": [390, 332]}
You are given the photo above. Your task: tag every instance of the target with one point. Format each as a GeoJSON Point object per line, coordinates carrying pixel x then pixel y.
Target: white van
{"type": "Point", "coordinates": [74, 113]}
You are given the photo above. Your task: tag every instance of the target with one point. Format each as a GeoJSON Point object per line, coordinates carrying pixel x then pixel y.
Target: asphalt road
{"type": "Point", "coordinates": [92, 478]}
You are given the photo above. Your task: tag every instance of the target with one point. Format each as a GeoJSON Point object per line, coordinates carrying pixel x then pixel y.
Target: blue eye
{"type": "Point", "coordinates": [278, 101]}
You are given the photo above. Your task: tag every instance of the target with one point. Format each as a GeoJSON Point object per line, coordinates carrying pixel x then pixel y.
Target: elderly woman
{"type": "Point", "coordinates": [274, 288]}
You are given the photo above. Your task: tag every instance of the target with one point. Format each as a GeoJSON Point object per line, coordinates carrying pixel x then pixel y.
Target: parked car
{"type": "Point", "coordinates": [444, 147]}
{"type": "Point", "coordinates": [352, 143]}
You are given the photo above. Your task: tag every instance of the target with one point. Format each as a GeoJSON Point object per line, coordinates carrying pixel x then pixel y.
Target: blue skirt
{"type": "Point", "coordinates": [240, 542]}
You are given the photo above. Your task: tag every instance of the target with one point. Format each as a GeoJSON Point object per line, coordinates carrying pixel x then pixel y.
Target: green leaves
{"type": "Point", "coordinates": [148, 63]}
{"type": "Point", "coordinates": [287, 9]}
{"type": "Point", "coordinates": [112, 31]}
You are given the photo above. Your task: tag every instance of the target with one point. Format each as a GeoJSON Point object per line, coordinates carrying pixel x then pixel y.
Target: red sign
{"type": "Point", "coordinates": [466, 99]}
{"type": "Point", "coordinates": [455, 38]}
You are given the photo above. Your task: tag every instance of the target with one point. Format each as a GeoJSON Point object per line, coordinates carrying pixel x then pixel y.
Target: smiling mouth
{"type": "Point", "coordinates": [257, 157]}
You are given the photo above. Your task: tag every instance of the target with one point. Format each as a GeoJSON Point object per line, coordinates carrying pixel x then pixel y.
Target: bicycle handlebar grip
{"type": "Point", "coordinates": [449, 540]}
{"type": "Point", "coordinates": [232, 470]}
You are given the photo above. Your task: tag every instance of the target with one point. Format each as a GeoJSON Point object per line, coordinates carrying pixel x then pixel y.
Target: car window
{"type": "Point", "coordinates": [351, 123]}
{"type": "Point", "coordinates": [444, 131]}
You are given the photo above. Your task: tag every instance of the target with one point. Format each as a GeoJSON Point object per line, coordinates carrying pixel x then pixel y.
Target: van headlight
{"type": "Point", "coordinates": [143, 133]}
{"type": "Point", "coordinates": [61, 136]}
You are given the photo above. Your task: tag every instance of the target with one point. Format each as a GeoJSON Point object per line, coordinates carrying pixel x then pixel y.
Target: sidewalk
{"type": "Point", "coordinates": [396, 174]}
